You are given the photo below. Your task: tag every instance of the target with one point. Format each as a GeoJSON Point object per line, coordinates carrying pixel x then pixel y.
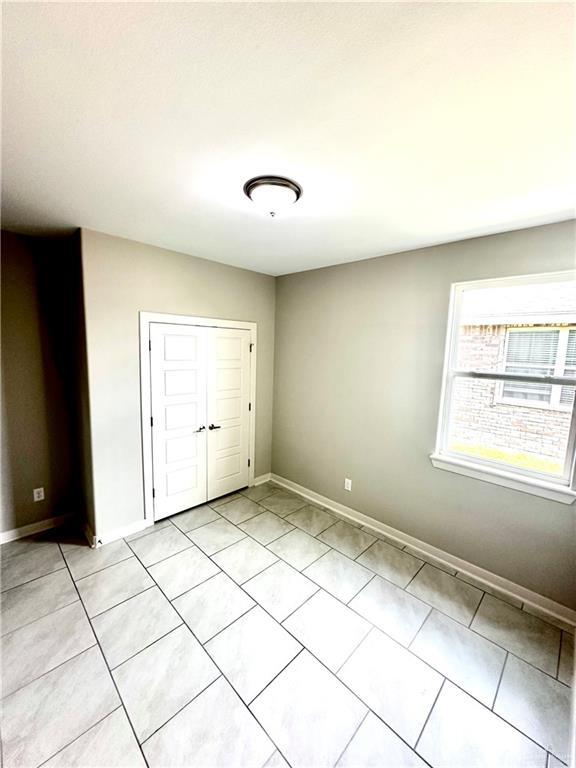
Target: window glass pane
{"type": "Point", "coordinates": [517, 437]}
{"type": "Point", "coordinates": [531, 352]}
{"type": "Point", "coordinates": [516, 325]}
{"type": "Point", "coordinates": [567, 393]}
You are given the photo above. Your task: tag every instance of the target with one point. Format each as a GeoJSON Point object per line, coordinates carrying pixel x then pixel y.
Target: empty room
{"type": "Point", "coordinates": [288, 345]}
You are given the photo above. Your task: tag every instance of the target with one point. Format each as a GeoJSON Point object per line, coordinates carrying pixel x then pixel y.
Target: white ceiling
{"type": "Point", "coordinates": [407, 124]}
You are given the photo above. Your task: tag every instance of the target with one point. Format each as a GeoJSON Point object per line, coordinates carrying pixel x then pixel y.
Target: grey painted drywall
{"type": "Point", "coordinates": [122, 278]}
{"type": "Point", "coordinates": [359, 356]}
{"type": "Point", "coordinates": [38, 361]}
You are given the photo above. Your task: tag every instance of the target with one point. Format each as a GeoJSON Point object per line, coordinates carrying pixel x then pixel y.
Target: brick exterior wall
{"type": "Point", "coordinates": [478, 416]}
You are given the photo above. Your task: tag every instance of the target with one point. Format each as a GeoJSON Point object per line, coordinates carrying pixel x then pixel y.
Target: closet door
{"type": "Point", "coordinates": [228, 414]}
{"type": "Point", "coordinates": [179, 426]}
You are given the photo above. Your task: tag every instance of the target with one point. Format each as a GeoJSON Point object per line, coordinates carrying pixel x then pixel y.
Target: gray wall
{"type": "Point", "coordinates": [121, 278]}
{"type": "Point", "coordinates": [359, 356]}
{"type": "Point", "coordinates": [39, 296]}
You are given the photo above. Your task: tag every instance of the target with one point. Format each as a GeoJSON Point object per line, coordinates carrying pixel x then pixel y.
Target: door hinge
{"type": "Point", "coordinates": [249, 406]}
{"type": "Point", "coordinates": [251, 346]}
{"type": "Point", "coordinates": [151, 421]}
{"type": "Point", "coordinates": [153, 493]}
{"type": "Point", "coordinates": [149, 344]}
{"type": "Point", "coordinates": [248, 462]}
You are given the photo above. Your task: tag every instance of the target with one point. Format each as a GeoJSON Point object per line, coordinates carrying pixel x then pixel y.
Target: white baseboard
{"type": "Point", "coordinates": [30, 530]}
{"type": "Point", "coordinates": [543, 604]}
{"type": "Point", "coordinates": [117, 533]}
{"type": "Point", "coordinates": [262, 478]}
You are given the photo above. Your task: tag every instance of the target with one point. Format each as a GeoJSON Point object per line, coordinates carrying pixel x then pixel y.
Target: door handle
{"type": "Point", "coordinates": [212, 426]}
{"type": "Point", "coordinates": [200, 429]}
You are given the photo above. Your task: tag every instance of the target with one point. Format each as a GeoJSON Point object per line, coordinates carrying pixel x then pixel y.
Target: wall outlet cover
{"type": "Point", "coordinates": [38, 494]}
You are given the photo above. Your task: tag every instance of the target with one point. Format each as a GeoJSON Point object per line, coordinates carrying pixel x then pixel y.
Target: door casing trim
{"type": "Point", "coordinates": [145, 318]}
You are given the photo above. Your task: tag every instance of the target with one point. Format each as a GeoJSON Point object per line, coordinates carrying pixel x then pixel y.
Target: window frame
{"type": "Point", "coordinates": [554, 404]}
{"type": "Point", "coordinates": [558, 489]}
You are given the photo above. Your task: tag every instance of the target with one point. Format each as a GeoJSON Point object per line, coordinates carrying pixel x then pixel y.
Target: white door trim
{"type": "Point", "coordinates": [145, 318]}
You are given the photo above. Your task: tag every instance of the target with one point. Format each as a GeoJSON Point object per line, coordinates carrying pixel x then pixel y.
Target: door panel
{"type": "Point", "coordinates": [178, 383]}
{"type": "Point", "coordinates": [227, 402]}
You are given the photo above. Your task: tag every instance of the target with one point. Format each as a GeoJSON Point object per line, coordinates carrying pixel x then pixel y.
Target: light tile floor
{"type": "Point", "coordinates": [260, 631]}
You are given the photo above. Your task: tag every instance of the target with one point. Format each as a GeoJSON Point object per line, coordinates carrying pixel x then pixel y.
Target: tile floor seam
{"type": "Point", "coordinates": [427, 663]}
{"type": "Point", "coordinates": [302, 604]}
{"type": "Point", "coordinates": [48, 671]}
{"type": "Point", "coordinates": [559, 655]}
{"type": "Point", "coordinates": [269, 683]}
{"type": "Point", "coordinates": [145, 647]}
{"type": "Point", "coordinates": [254, 575]}
{"type": "Point", "coordinates": [470, 628]}
{"type": "Point", "coordinates": [230, 684]}
{"type": "Point", "coordinates": [141, 743]}
{"type": "Point", "coordinates": [308, 564]}
{"type": "Point", "coordinates": [28, 623]}
{"type": "Point", "coordinates": [79, 736]}
{"type": "Point", "coordinates": [105, 568]}
{"type": "Point", "coordinates": [106, 610]}
{"type": "Point", "coordinates": [245, 536]}
{"type": "Point", "coordinates": [352, 737]}
{"type": "Point", "coordinates": [156, 562]}
{"type": "Point", "coordinates": [36, 578]}
{"type": "Point", "coordinates": [415, 747]}
{"type": "Point", "coordinates": [353, 651]}
{"type": "Point", "coordinates": [499, 682]}
{"type": "Point", "coordinates": [469, 625]}
{"type": "Point", "coordinates": [409, 646]}
{"type": "Point", "coordinates": [191, 588]}
{"type": "Point", "coordinates": [432, 607]}
{"type": "Point", "coordinates": [215, 664]}
{"type": "Point", "coordinates": [171, 599]}
{"type": "Point", "coordinates": [247, 611]}
{"type": "Point", "coordinates": [107, 667]}
{"type": "Point", "coordinates": [370, 580]}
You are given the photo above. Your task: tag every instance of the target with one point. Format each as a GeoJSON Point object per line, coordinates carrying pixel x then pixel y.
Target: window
{"type": "Point", "coordinates": [543, 350]}
{"type": "Point", "coordinates": [507, 410]}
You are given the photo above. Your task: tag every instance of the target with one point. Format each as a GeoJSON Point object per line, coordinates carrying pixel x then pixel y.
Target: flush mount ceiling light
{"type": "Point", "coordinates": [272, 193]}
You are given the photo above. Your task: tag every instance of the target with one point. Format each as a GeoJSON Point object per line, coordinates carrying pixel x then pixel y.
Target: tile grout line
{"type": "Point", "coordinates": [80, 735]}
{"type": "Point", "coordinates": [428, 715]}
{"type": "Point", "coordinates": [221, 672]}
{"type": "Point", "coordinates": [499, 682]}
{"type": "Point", "coordinates": [423, 563]}
{"type": "Point", "coordinates": [36, 578]}
{"type": "Point", "coordinates": [121, 602]}
{"type": "Point", "coordinates": [432, 607]}
{"type": "Point", "coordinates": [107, 667]}
{"type": "Point", "coordinates": [145, 647]}
{"type": "Point", "coordinates": [104, 568]}
{"type": "Point", "coordinates": [48, 671]}
{"type": "Point", "coordinates": [469, 625]}
{"type": "Point", "coordinates": [559, 654]}
{"type": "Point", "coordinates": [417, 657]}
{"type": "Point", "coordinates": [338, 679]}
{"type": "Point", "coordinates": [351, 739]}
{"type": "Point", "coordinates": [28, 623]}
{"type": "Point", "coordinates": [196, 695]}
{"type": "Point", "coordinates": [409, 646]}
{"type": "Point", "coordinates": [318, 589]}
{"type": "Point", "coordinates": [269, 683]}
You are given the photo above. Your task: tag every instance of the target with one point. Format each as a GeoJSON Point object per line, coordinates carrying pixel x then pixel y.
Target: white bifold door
{"type": "Point", "coordinates": [200, 396]}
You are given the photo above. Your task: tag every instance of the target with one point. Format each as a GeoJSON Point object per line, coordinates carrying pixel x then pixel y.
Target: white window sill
{"type": "Point", "coordinates": [552, 491]}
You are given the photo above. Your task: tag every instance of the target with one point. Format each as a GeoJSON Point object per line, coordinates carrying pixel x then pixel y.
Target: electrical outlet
{"type": "Point", "coordinates": [347, 484]}
{"type": "Point", "coordinates": [38, 494]}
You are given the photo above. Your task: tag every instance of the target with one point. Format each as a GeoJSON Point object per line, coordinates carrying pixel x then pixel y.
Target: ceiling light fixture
{"type": "Point", "coordinates": [272, 193]}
